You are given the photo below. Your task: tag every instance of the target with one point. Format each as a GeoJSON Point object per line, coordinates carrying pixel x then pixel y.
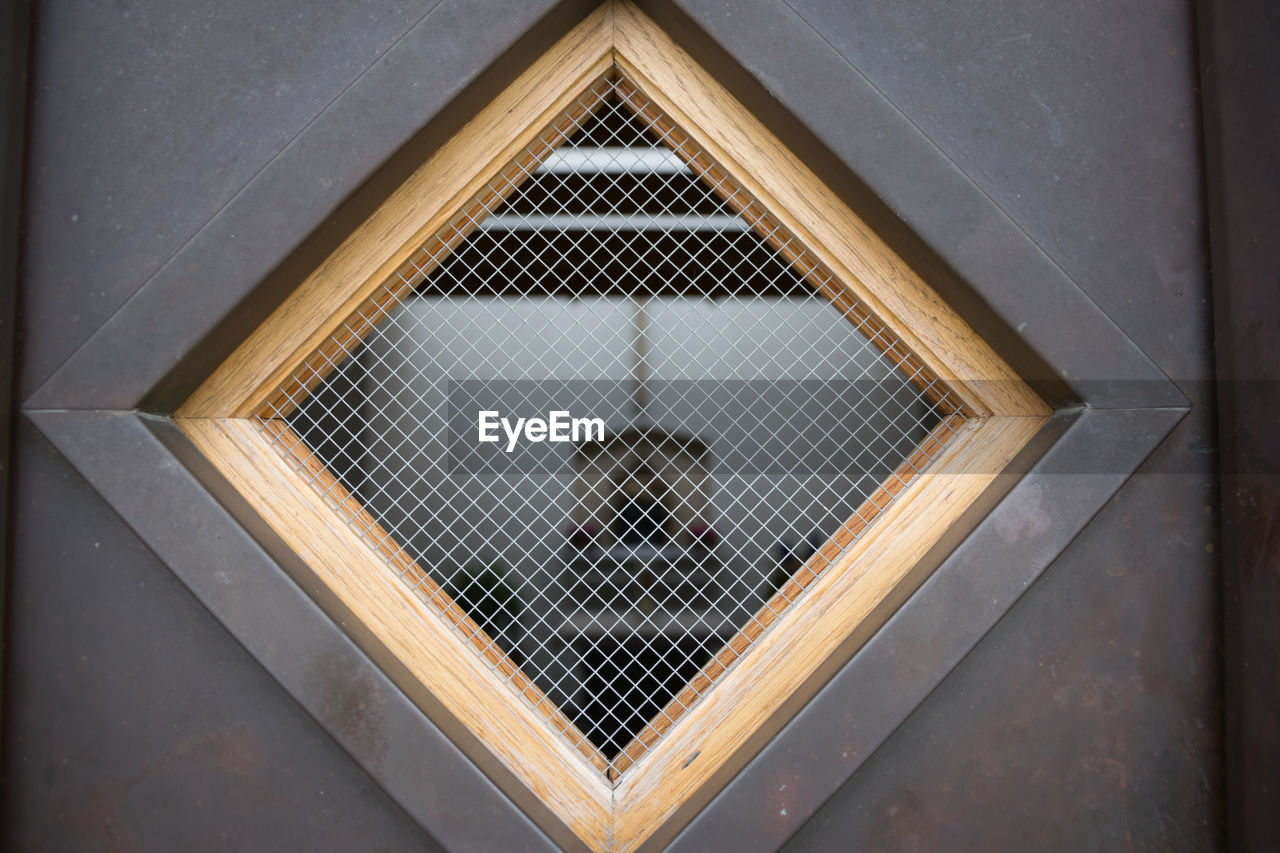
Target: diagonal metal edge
{"type": "Point", "coordinates": [281, 627]}
{"type": "Point", "coordinates": [185, 319]}
{"type": "Point", "coordinates": [895, 671]}
{"type": "Point", "coordinates": [972, 252]}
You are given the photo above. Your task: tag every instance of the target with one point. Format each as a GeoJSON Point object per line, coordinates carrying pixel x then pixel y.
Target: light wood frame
{"type": "Point", "coordinates": [1000, 414]}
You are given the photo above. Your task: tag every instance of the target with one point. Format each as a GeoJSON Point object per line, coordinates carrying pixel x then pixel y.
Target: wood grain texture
{"type": "Point", "coordinates": [787, 189]}
{"type": "Point", "coordinates": [406, 221]}
{"type": "Point", "coordinates": [401, 618]}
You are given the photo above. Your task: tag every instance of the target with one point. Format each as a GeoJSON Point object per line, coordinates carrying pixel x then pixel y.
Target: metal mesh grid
{"type": "Point", "coordinates": [756, 419]}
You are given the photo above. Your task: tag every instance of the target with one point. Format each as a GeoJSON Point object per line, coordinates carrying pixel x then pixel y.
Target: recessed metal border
{"type": "Point", "coordinates": [1115, 406]}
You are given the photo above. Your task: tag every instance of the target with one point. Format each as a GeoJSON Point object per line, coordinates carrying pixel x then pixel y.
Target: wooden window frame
{"type": "Point", "coordinates": [1001, 414]}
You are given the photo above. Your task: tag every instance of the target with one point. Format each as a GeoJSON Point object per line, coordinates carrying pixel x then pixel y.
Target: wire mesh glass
{"type": "Point", "coordinates": [732, 421]}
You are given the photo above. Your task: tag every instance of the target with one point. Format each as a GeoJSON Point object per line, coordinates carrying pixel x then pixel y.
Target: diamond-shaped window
{"type": "Point", "coordinates": [611, 425]}
{"type": "Point", "coordinates": [740, 419]}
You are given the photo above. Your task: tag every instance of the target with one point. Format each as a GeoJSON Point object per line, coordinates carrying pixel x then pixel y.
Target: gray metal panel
{"type": "Point", "coordinates": [149, 120]}
{"type": "Point", "coordinates": [411, 98]}
{"type": "Point", "coordinates": [137, 722]}
{"type": "Point", "coordinates": [1080, 125]}
{"type": "Point", "coordinates": [1089, 718]}
{"type": "Point", "coordinates": [1065, 743]}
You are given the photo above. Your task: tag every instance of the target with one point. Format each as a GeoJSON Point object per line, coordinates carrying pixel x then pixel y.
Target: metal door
{"type": "Point", "coordinates": [1056, 682]}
